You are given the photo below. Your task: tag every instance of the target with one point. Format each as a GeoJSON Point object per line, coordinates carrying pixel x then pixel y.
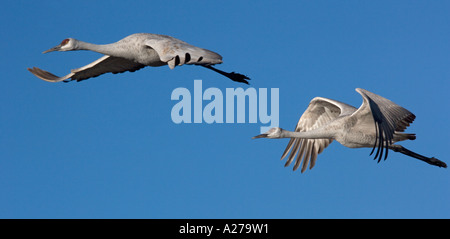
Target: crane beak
{"type": "Point", "coordinates": [56, 48]}
{"type": "Point", "coordinates": [260, 136]}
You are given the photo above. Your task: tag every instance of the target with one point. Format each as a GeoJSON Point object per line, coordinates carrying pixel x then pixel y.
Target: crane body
{"type": "Point", "coordinates": [378, 124]}
{"type": "Point", "coordinates": [135, 52]}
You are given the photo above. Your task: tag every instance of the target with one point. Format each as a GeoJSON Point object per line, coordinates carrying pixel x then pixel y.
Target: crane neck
{"type": "Point", "coordinates": [312, 134]}
{"type": "Point", "coordinates": [106, 49]}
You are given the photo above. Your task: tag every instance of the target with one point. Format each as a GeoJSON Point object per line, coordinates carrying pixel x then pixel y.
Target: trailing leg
{"type": "Point", "coordinates": [233, 76]}
{"type": "Point", "coordinates": [403, 150]}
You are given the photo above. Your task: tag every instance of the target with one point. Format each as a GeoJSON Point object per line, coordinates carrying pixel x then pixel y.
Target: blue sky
{"type": "Point", "coordinates": [107, 147]}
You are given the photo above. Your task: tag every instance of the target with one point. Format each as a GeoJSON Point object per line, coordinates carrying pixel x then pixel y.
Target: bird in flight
{"type": "Point", "coordinates": [135, 52]}
{"type": "Point", "coordinates": [378, 124]}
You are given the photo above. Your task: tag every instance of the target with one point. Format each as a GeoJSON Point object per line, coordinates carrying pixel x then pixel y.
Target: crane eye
{"type": "Point", "coordinates": [64, 42]}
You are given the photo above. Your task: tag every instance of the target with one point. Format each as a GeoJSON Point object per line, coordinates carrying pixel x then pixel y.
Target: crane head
{"type": "Point", "coordinates": [273, 133]}
{"type": "Point", "coordinates": [66, 45]}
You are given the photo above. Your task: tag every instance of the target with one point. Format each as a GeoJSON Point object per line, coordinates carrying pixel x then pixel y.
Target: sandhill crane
{"type": "Point", "coordinates": [135, 52]}
{"type": "Point", "coordinates": [377, 124]}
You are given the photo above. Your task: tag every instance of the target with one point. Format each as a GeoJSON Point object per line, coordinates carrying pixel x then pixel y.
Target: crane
{"type": "Point", "coordinates": [135, 52]}
{"type": "Point", "coordinates": [378, 124]}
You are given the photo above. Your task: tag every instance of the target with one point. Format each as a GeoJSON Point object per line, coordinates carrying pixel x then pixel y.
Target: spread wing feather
{"type": "Point", "coordinates": [389, 118]}
{"type": "Point", "coordinates": [106, 64]}
{"type": "Point", "coordinates": [320, 112]}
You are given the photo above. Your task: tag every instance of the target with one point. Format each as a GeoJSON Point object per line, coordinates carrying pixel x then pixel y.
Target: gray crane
{"type": "Point", "coordinates": [377, 124]}
{"type": "Point", "coordinates": [135, 52]}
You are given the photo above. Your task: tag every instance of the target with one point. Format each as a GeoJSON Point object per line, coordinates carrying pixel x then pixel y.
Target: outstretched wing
{"type": "Point", "coordinates": [387, 116]}
{"type": "Point", "coordinates": [320, 112]}
{"type": "Point", "coordinates": [176, 52]}
{"type": "Point", "coordinates": [101, 66]}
